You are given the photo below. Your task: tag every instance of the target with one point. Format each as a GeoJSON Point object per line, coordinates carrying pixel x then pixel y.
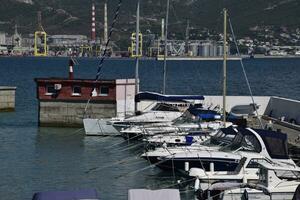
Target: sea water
{"type": "Point", "coordinates": [36, 158]}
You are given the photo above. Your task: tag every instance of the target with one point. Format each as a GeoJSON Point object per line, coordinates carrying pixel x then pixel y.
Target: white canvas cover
{"type": "Point", "coordinates": [163, 194]}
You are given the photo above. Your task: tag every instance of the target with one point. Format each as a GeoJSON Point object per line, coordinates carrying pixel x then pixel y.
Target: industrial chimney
{"type": "Point", "coordinates": [93, 33]}
{"type": "Point", "coordinates": [105, 38]}
{"type": "Point", "coordinates": [71, 72]}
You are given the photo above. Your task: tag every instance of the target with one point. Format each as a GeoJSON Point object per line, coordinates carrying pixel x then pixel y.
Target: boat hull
{"type": "Point", "coordinates": [220, 164]}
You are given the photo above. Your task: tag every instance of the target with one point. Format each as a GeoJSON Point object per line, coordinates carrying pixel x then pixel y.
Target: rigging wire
{"type": "Point", "coordinates": [103, 56]}
{"type": "Point", "coordinates": [117, 11]}
{"type": "Point", "coordinates": [244, 72]}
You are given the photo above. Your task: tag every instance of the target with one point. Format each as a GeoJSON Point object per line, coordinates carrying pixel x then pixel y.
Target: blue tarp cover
{"type": "Point", "coordinates": [171, 98]}
{"type": "Point", "coordinates": [90, 194]}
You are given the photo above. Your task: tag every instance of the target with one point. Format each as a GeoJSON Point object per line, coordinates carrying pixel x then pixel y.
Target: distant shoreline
{"type": "Point", "coordinates": [171, 58]}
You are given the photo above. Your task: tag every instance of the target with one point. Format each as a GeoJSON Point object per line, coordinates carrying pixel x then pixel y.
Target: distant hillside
{"type": "Point", "coordinates": [73, 16]}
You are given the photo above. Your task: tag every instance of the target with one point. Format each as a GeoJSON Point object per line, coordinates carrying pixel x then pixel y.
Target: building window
{"type": "Point", "coordinates": [104, 91]}
{"type": "Point", "coordinates": [76, 90]}
{"type": "Point", "coordinates": [50, 89]}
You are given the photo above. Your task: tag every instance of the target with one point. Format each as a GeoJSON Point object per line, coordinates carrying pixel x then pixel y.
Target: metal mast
{"type": "Point", "coordinates": [166, 48]}
{"type": "Point", "coordinates": [224, 65]}
{"type": "Point", "coordinates": [137, 51]}
{"type": "Point", "coordinates": [40, 26]}
{"type": "Point", "coordinates": [187, 33]}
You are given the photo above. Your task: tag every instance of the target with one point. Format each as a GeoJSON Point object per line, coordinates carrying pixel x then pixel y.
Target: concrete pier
{"type": "Point", "coordinates": [7, 98]}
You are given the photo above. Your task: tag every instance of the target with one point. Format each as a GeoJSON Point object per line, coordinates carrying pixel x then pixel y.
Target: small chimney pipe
{"type": "Point", "coordinates": [71, 72]}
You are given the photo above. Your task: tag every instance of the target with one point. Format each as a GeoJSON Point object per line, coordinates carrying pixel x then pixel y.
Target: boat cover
{"type": "Point", "coordinates": [164, 194]}
{"type": "Point", "coordinates": [229, 130]}
{"type": "Point", "coordinates": [297, 193]}
{"type": "Point", "coordinates": [225, 186]}
{"type": "Point", "coordinates": [171, 98]}
{"type": "Point", "coordinates": [276, 143]}
{"type": "Point", "coordinates": [204, 114]}
{"type": "Point", "coordinates": [90, 194]}
{"type": "Point", "coordinates": [244, 110]}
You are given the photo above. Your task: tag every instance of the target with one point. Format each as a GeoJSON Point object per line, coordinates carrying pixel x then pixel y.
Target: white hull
{"type": "Point", "coordinates": [175, 139]}
{"type": "Point", "coordinates": [257, 195]}
{"type": "Point", "coordinates": [114, 125]}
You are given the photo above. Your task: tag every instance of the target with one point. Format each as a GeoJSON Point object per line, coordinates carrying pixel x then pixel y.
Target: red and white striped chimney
{"type": "Point", "coordinates": [71, 72]}
{"type": "Point", "coordinates": [93, 35]}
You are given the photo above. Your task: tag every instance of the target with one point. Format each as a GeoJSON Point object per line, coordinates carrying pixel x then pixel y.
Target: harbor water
{"type": "Point", "coordinates": [40, 159]}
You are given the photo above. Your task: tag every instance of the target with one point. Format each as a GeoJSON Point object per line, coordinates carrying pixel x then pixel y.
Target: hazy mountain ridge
{"type": "Point", "coordinates": [73, 16]}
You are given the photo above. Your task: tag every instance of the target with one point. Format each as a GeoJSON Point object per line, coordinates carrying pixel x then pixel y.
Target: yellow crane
{"type": "Point", "coordinates": [132, 49]}
{"type": "Point", "coordinates": [40, 39]}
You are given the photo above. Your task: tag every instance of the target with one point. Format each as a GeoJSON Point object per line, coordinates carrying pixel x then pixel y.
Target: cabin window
{"type": "Point", "coordinates": [263, 176]}
{"type": "Point", "coordinates": [104, 91]}
{"type": "Point", "coordinates": [253, 164]}
{"type": "Point", "coordinates": [76, 90]}
{"type": "Point", "coordinates": [50, 89]}
{"type": "Point", "coordinates": [165, 107]}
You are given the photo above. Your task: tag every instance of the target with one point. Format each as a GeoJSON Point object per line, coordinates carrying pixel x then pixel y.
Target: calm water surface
{"type": "Point", "coordinates": [38, 159]}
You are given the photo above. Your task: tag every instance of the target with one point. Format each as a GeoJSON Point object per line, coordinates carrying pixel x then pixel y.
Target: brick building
{"type": "Point", "coordinates": [62, 102]}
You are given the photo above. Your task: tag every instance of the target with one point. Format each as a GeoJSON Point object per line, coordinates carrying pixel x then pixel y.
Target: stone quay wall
{"type": "Point", "coordinates": [70, 114]}
{"type": "Point", "coordinates": [7, 98]}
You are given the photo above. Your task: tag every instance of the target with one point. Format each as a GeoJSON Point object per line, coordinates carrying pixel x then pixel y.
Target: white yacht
{"type": "Point", "coordinates": [113, 126]}
{"type": "Point", "coordinates": [277, 181]}
{"type": "Point", "coordinates": [270, 144]}
{"type": "Point", "coordinates": [182, 138]}
{"type": "Point", "coordinates": [195, 118]}
{"type": "Point", "coordinates": [220, 138]}
{"type": "Point", "coordinates": [247, 171]}
{"type": "Point", "coordinates": [164, 109]}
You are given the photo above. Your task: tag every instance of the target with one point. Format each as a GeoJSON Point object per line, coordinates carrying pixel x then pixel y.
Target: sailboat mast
{"type": "Point", "coordinates": [137, 84]}
{"type": "Point", "coordinates": [224, 64]}
{"type": "Point", "coordinates": [166, 49]}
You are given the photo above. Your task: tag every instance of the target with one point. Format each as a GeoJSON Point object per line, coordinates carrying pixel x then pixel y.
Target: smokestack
{"type": "Point", "coordinates": [71, 72]}
{"type": "Point", "coordinates": [162, 28]}
{"type": "Point", "coordinates": [93, 34]}
{"type": "Point", "coordinates": [105, 38]}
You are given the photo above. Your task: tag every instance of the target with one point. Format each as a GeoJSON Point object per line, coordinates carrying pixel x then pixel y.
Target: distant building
{"type": "Point", "coordinates": [2, 38]}
{"type": "Point", "coordinates": [67, 40]}
{"type": "Point", "coordinates": [9, 40]}
{"type": "Point", "coordinates": [203, 48]}
{"type": "Point", "coordinates": [211, 49]}
{"type": "Point", "coordinates": [16, 38]}
{"type": "Point", "coordinates": [28, 41]}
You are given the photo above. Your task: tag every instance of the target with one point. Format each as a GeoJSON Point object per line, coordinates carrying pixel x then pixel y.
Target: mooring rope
{"type": "Point", "coordinates": [118, 143]}
{"type": "Point", "coordinates": [112, 164]}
